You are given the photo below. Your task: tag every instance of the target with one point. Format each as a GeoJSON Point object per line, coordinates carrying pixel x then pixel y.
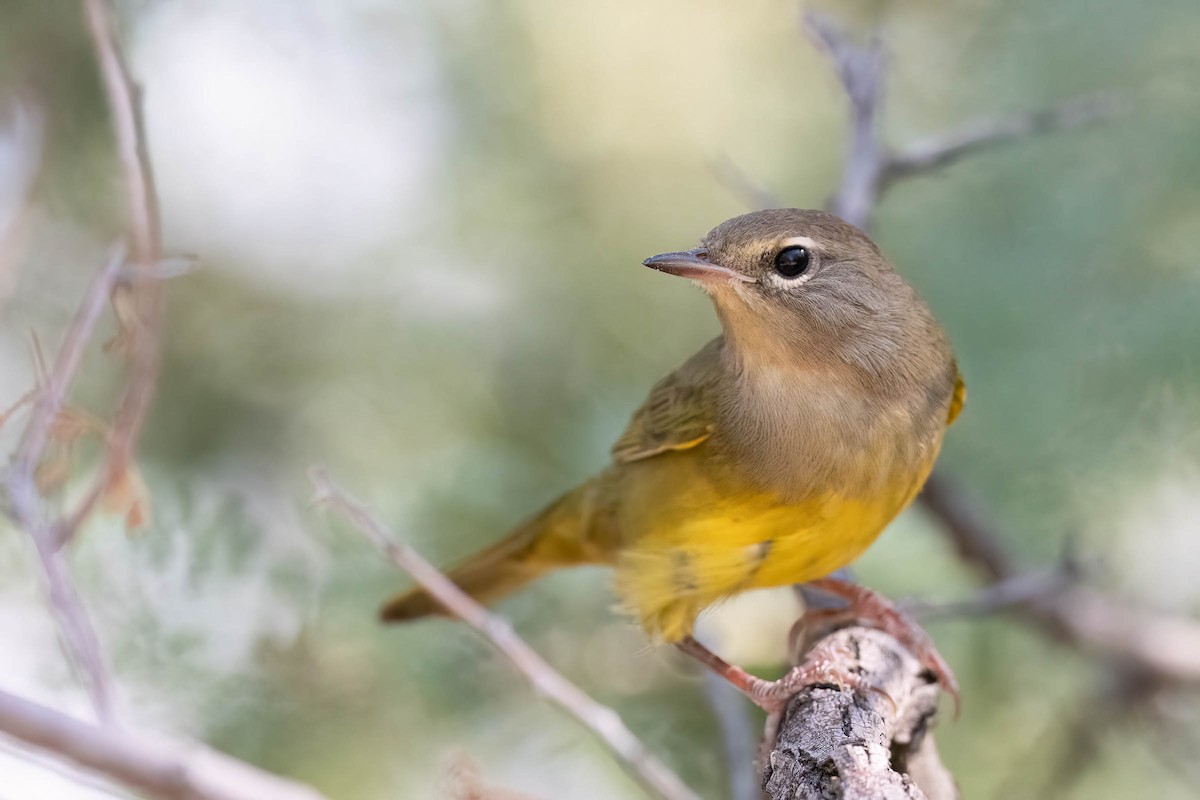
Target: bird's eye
{"type": "Point", "coordinates": [791, 262]}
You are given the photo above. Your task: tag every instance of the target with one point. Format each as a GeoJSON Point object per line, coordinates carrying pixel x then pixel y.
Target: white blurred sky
{"type": "Point", "coordinates": [292, 137]}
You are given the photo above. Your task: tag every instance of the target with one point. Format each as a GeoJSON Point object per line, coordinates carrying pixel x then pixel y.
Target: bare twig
{"type": "Point", "coordinates": [463, 781]}
{"type": "Point", "coordinates": [139, 302]}
{"type": "Point", "coordinates": [50, 398]}
{"type": "Point", "coordinates": [24, 502]}
{"type": "Point", "coordinates": [1164, 647]}
{"type": "Point", "coordinates": [870, 168]}
{"type": "Point", "coordinates": [600, 720]}
{"type": "Point", "coordinates": [944, 149]}
{"type": "Point", "coordinates": [967, 529]}
{"type": "Point", "coordinates": [161, 769]}
{"type": "Point", "coordinates": [860, 70]}
{"type": "Point", "coordinates": [1003, 595]}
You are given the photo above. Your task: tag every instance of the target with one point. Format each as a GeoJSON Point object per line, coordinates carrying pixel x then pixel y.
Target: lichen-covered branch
{"type": "Point", "coordinates": [861, 744]}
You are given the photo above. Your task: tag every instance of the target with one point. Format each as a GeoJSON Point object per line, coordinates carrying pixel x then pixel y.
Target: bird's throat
{"type": "Point", "coordinates": [803, 429]}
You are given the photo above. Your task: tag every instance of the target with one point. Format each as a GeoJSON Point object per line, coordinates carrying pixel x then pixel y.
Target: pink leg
{"type": "Point", "coordinates": [822, 665]}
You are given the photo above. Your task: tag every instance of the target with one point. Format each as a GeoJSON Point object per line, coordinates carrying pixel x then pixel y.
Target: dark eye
{"type": "Point", "coordinates": [790, 262]}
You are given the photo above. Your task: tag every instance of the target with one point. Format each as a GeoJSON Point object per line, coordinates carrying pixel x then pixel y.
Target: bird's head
{"type": "Point", "coordinates": [800, 285]}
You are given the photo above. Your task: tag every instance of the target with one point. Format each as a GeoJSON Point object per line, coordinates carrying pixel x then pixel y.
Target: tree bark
{"type": "Point", "coordinates": [861, 743]}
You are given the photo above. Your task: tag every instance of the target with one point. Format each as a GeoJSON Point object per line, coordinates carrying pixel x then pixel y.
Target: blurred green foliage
{"type": "Point", "coordinates": [480, 357]}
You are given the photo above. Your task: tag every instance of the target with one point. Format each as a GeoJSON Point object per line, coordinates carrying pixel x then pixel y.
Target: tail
{"type": "Point", "coordinates": [557, 537]}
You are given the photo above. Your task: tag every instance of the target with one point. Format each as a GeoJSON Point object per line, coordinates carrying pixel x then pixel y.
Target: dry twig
{"type": "Point", "coordinates": [600, 720]}
{"type": "Point", "coordinates": [161, 769]}
{"type": "Point", "coordinates": [1083, 617]}
{"type": "Point", "coordinates": [138, 301]}
{"type": "Point", "coordinates": [24, 500]}
{"type": "Point", "coordinates": [944, 149]}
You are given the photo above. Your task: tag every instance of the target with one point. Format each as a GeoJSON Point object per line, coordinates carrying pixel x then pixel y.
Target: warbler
{"type": "Point", "coordinates": [775, 455]}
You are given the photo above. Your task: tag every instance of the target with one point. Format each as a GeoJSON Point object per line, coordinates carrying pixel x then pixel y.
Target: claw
{"type": "Point", "coordinates": [826, 663]}
{"type": "Point", "coordinates": [865, 607]}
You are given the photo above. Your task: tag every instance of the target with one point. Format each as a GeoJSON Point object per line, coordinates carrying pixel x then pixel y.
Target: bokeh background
{"type": "Point", "coordinates": [419, 227]}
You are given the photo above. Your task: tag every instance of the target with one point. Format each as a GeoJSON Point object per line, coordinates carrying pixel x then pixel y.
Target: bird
{"type": "Point", "coordinates": [775, 455]}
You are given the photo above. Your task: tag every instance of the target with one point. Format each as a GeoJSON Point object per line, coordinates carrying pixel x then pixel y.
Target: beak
{"type": "Point", "coordinates": [694, 264]}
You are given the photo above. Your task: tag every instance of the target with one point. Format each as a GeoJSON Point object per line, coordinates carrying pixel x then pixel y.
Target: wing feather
{"type": "Point", "coordinates": [678, 414]}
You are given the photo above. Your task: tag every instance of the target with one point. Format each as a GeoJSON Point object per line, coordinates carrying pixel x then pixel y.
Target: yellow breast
{"type": "Point", "coordinates": [694, 531]}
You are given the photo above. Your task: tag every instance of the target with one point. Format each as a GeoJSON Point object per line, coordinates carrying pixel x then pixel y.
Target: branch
{"type": "Point", "coordinates": [24, 500]}
{"type": "Point", "coordinates": [1003, 594]}
{"type": "Point", "coordinates": [870, 169]}
{"type": "Point", "coordinates": [944, 149]}
{"type": "Point", "coordinates": [859, 744]}
{"type": "Point", "coordinates": [860, 70]}
{"type": "Point", "coordinates": [161, 769]}
{"type": "Point", "coordinates": [600, 720]}
{"type": "Point", "coordinates": [50, 398]}
{"type": "Point", "coordinates": [138, 303]}
{"type": "Point", "coordinates": [1163, 647]}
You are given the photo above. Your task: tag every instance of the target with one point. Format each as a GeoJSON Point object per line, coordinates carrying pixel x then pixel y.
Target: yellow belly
{"type": "Point", "coordinates": [691, 536]}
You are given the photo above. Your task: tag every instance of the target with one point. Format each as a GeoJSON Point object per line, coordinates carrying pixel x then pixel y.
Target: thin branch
{"type": "Point", "coordinates": [1163, 646]}
{"type": "Point", "coordinates": [143, 293]}
{"type": "Point", "coordinates": [1003, 595]}
{"type": "Point", "coordinates": [964, 523]}
{"type": "Point", "coordinates": [161, 769]}
{"type": "Point", "coordinates": [24, 500]}
{"type": "Point", "coordinates": [861, 72]}
{"type": "Point", "coordinates": [51, 397]}
{"type": "Point", "coordinates": [870, 169]}
{"type": "Point", "coordinates": [143, 298]}
{"type": "Point", "coordinates": [600, 720]}
{"type": "Point", "coordinates": [944, 149]}
{"type": "Point", "coordinates": [124, 103]}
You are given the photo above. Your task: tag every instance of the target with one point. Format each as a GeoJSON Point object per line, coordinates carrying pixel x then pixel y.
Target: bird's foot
{"type": "Point", "coordinates": [827, 664]}
{"type": "Point", "coordinates": [870, 609]}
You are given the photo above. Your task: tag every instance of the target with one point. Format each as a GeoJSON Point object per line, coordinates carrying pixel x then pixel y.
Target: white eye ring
{"type": "Point", "coordinates": [790, 283]}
